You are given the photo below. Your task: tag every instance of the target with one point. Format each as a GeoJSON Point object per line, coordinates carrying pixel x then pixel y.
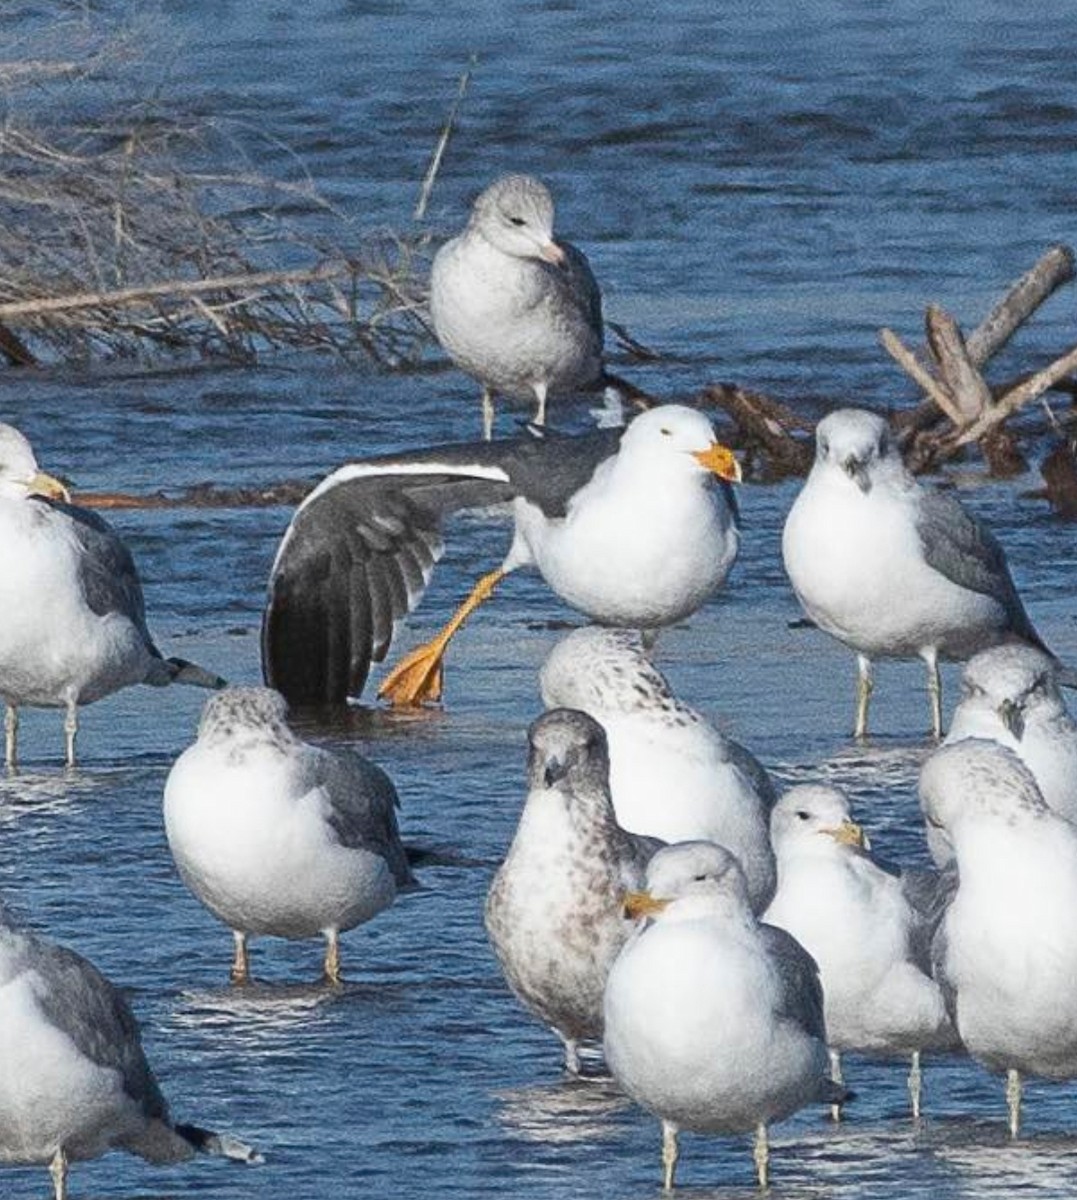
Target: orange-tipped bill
{"type": "Point", "coordinates": [721, 460]}
{"type": "Point", "coordinates": [642, 904]}
{"type": "Point", "coordinates": [848, 833]}
{"type": "Point", "coordinates": [552, 253]}
{"type": "Point", "coordinates": [47, 485]}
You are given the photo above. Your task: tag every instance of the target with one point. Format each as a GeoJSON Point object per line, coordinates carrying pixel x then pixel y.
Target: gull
{"type": "Point", "coordinates": [74, 623]}
{"type": "Point", "coordinates": [554, 910]}
{"type": "Point", "coordinates": [277, 836]}
{"type": "Point", "coordinates": [891, 568]}
{"type": "Point", "coordinates": [1005, 953]}
{"type": "Point", "coordinates": [74, 1080]}
{"type": "Point", "coordinates": [514, 308]}
{"type": "Point", "coordinates": [856, 919]}
{"type": "Point", "coordinates": [626, 525]}
{"type": "Point", "coordinates": [714, 1021]}
{"type": "Point", "coordinates": [672, 774]}
{"type": "Point", "coordinates": [1011, 695]}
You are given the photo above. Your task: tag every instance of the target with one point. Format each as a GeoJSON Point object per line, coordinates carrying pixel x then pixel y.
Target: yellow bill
{"type": "Point", "coordinates": [642, 904]}
{"type": "Point", "coordinates": [720, 460]}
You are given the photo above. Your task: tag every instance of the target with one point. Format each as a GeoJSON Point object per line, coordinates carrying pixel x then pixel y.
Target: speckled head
{"type": "Point", "coordinates": [515, 214]}
{"type": "Point", "coordinates": [854, 441]}
{"type": "Point", "coordinates": [1013, 680]}
{"type": "Point", "coordinates": [245, 711]}
{"type": "Point", "coordinates": [975, 780]}
{"type": "Point", "coordinates": [569, 754]}
{"type": "Point", "coordinates": [600, 670]}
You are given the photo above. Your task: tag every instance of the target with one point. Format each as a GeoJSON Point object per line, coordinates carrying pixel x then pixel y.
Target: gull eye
{"type": "Point", "coordinates": [518, 221]}
{"type": "Point", "coordinates": [666, 432]}
{"type": "Point", "coordinates": [803, 816]}
{"type": "Point", "coordinates": [699, 879]}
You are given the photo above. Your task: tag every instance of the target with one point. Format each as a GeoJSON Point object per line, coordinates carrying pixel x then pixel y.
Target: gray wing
{"type": "Point", "coordinates": [360, 550]}
{"type": "Point", "coordinates": [958, 546]}
{"type": "Point", "coordinates": [939, 951]}
{"type": "Point", "coordinates": [745, 761]}
{"type": "Point", "coordinates": [107, 572]}
{"type": "Point", "coordinates": [637, 851]}
{"type": "Point", "coordinates": [584, 286]}
{"type": "Point", "coordinates": [801, 995]}
{"type": "Point", "coordinates": [364, 809]}
{"type": "Point", "coordinates": [81, 1002]}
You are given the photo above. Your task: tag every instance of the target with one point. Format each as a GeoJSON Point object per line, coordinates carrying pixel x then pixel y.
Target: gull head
{"type": "Point", "coordinates": [515, 215]}
{"type": "Point", "coordinates": [853, 442]}
{"type": "Point", "coordinates": [814, 819]}
{"type": "Point", "coordinates": [245, 715]}
{"type": "Point", "coordinates": [674, 437]}
{"type": "Point", "coordinates": [1015, 684]}
{"type": "Point", "coordinates": [691, 879]}
{"type": "Point", "coordinates": [601, 670]}
{"type": "Point", "coordinates": [20, 475]}
{"type": "Point", "coordinates": [569, 756]}
{"type": "Point", "coordinates": [972, 783]}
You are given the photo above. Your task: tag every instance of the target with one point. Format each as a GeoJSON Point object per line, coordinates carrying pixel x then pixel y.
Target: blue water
{"type": "Point", "coordinates": [759, 187]}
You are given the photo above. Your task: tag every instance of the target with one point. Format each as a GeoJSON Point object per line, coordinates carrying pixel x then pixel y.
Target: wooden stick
{"type": "Point", "coordinates": [906, 359]}
{"type": "Point", "coordinates": [442, 143]}
{"type": "Point", "coordinates": [962, 381]}
{"type": "Point", "coordinates": [168, 288]}
{"type": "Point", "coordinates": [1035, 385]}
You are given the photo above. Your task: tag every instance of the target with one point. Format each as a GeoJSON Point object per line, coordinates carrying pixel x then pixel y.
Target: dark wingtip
{"type": "Point", "coordinates": [219, 1145]}
{"type": "Point", "coordinates": [190, 673]}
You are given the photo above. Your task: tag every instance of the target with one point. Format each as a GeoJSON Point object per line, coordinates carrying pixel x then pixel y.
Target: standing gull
{"type": "Point", "coordinates": [74, 1080]}
{"type": "Point", "coordinates": [519, 311]}
{"type": "Point", "coordinates": [672, 774]}
{"type": "Point", "coordinates": [1006, 950]}
{"type": "Point", "coordinates": [1011, 695]}
{"type": "Point", "coordinates": [714, 1022]}
{"type": "Point", "coordinates": [276, 836]}
{"type": "Point", "coordinates": [891, 568]}
{"type": "Point", "coordinates": [626, 525]}
{"type": "Point", "coordinates": [554, 911]}
{"type": "Point", "coordinates": [74, 625]}
{"type": "Point", "coordinates": [856, 920]}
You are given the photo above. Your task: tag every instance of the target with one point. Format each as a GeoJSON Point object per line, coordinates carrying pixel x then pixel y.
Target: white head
{"type": "Point", "coordinates": [814, 820]}
{"type": "Point", "coordinates": [852, 443]}
{"type": "Point", "coordinates": [19, 472]}
{"type": "Point", "coordinates": [674, 437]}
{"type": "Point", "coordinates": [689, 880]}
{"type": "Point", "coordinates": [1014, 685]}
{"type": "Point", "coordinates": [603, 670]}
{"type": "Point", "coordinates": [515, 215]}
{"type": "Point", "coordinates": [973, 783]}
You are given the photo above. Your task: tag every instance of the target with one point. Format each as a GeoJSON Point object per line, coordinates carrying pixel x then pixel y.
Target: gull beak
{"type": "Point", "coordinates": [554, 772]}
{"type": "Point", "coordinates": [720, 460]}
{"type": "Point", "coordinates": [642, 904]}
{"type": "Point", "coordinates": [857, 472]}
{"type": "Point", "coordinates": [551, 252]}
{"type": "Point", "coordinates": [848, 833]}
{"type": "Point", "coordinates": [41, 484]}
{"type": "Point", "coordinates": [1012, 717]}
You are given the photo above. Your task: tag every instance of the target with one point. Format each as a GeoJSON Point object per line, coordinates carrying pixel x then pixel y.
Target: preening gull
{"type": "Point", "coordinates": [714, 1021]}
{"type": "Point", "coordinates": [672, 774]}
{"type": "Point", "coordinates": [277, 836]}
{"type": "Point", "coordinates": [554, 911]}
{"type": "Point", "coordinates": [626, 525]}
{"type": "Point", "coordinates": [516, 309]}
{"type": "Point", "coordinates": [74, 1080]}
{"type": "Point", "coordinates": [74, 623]}
{"type": "Point", "coordinates": [1005, 952]}
{"type": "Point", "coordinates": [856, 919]}
{"type": "Point", "coordinates": [891, 568]}
{"type": "Point", "coordinates": [1011, 695]}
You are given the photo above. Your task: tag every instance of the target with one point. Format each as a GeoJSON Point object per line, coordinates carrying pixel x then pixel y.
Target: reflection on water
{"type": "Point", "coordinates": [569, 1110]}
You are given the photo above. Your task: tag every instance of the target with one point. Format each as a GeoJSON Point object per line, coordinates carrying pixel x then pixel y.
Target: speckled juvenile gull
{"type": "Point", "coordinates": [892, 568]}
{"type": "Point", "coordinates": [514, 308]}
{"type": "Point", "coordinates": [554, 911]}
{"type": "Point", "coordinates": [74, 625]}
{"type": "Point", "coordinates": [855, 918]}
{"type": "Point", "coordinates": [277, 836]}
{"type": "Point", "coordinates": [672, 774]}
{"type": "Point", "coordinates": [628, 526]}
{"type": "Point", "coordinates": [1005, 953]}
{"type": "Point", "coordinates": [74, 1081]}
{"type": "Point", "coordinates": [714, 1021]}
{"type": "Point", "coordinates": [1012, 696]}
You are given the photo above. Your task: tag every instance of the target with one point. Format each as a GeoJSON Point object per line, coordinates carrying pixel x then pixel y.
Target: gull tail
{"type": "Point", "coordinates": [182, 671]}
{"type": "Point", "coordinates": [220, 1145]}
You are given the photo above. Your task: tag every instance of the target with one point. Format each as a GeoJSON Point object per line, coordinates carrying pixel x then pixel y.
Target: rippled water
{"type": "Point", "coordinates": [760, 187]}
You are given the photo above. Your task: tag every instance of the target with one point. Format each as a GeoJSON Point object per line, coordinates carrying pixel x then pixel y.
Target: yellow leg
{"type": "Point", "coordinates": [418, 675]}
{"type": "Point", "coordinates": [241, 964]}
{"type": "Point", "coordinates": [332, 957]}
{"type": "Point", "coordinates": [670, 1154]}
{"type": "Point", "coordinates": [58, 1171]}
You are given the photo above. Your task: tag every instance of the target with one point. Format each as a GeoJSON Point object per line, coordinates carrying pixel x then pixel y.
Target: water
{"type": "Point", "coordinates": [759, 187]}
